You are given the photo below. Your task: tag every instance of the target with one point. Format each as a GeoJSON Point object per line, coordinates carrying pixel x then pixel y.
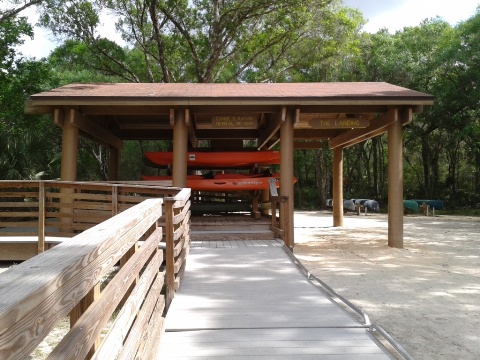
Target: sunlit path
{"type": "Point", "coordinates": [252, 302]}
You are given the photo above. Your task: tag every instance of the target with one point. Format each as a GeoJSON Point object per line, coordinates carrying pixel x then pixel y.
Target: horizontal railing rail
{"type": "Point", "coordinates": [55, 210]}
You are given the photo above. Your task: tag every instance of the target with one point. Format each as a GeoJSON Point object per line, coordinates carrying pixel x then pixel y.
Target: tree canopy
{"type": "Point", "coordinates": [253, 41]}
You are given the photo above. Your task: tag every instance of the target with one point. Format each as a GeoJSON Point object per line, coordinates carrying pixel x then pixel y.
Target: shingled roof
{"type": "Point", "coordinates": [271, 93]}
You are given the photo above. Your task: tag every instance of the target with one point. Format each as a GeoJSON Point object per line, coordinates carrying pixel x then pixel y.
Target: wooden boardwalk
{"type": "Point", "coordinates": [247, 300]}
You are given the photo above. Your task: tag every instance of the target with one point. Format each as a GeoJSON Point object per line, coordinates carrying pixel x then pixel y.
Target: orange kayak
{"type": "Point", "coordinates": [218, 159]}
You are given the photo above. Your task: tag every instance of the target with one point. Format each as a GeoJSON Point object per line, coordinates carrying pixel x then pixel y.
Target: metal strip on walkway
{"type": "Point", "coordinates": [252, 302]}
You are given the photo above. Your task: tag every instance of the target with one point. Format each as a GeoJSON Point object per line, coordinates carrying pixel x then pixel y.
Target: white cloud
{"type": "Point", "coordinates": [395, 15]}
{"type": "Point", "coordinates": [44, 42]}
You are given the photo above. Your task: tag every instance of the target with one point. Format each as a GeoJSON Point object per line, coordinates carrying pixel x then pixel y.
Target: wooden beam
{"type": "Point", "coordinates": [233, 109]}
{"type": "Point", "coordinates": [226, 134]}
{"type": "Point", "coordinates": [30, 108]}
{"type": "Point", "coordinates": [272, 143]}
{"type": "Point", "coordinates": [58, 117]}
{"type": "Point", "coordinates": [406, 116]}
{"type": "Point", "coordinates": [338, 123]}
{"type": "Point", "coordinates": [355, 136]}
{"type": "Point", "coordinates": [307, 145]}
{"type": "Point", "coordinates": [270, 131]}
{"type": "Point", "coordinates": [152, 134]}
{"type": "Point", "coordinates": [134, 123]}
{"type": "Point", "coordinates": [296, 119]}
{"type": "Point", "coordinates": [316, 134]}
{"type": "Point", "coordinates": [343, 109]}
{"type": "Point", "coordinates": [131, 110]}
{"type": "Point", "coordinates": [95, 131]}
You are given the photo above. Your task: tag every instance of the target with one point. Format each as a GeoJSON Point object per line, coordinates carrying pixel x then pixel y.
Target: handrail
{"type": "Point", "coordinates": [333, 294]}
{"type": "Point", "coordinates": [36, 294]}
{"type": "Point", "coordinates": [391, 341]}
{"type": "Point", "coordinates": [66, 278]}
{"type": "Point", "coordinates": [64, 208]}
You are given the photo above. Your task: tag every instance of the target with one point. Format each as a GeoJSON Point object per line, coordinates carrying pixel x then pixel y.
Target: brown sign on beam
{"type": "Point", "coordinates": [235, 122]}
{"type": "Point", "coordinates": [343, 123]}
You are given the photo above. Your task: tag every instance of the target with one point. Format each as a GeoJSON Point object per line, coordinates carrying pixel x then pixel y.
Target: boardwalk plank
{"type": "Point", "coordinates": [252, 302]}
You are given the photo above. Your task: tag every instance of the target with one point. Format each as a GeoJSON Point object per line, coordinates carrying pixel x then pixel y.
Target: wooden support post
{"type": "Point", "coordinates": [286, 176]}
{"type": "Point", "coordinates": [114, 164]}
{"type": "Point", "coordinates": [69, 150]}
{"type": "Point", "coordinates": [395, 182]}
{"type": "Point", "coordinates": [338, 186]}
{"type": "Point", "coordinates": [41, 217]}
{"type": "Point", "coordinates": [180, 146]}
{"type": "Point", "coordinates": [68, 170]}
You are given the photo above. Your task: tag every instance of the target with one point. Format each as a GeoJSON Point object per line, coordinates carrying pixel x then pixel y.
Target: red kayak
{"type": "Point", "coordinates": [236, 182]}
{"type": "Point", "coordinates": [218, 159]}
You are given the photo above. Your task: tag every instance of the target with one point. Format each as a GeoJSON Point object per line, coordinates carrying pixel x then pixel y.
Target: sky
{"type": "Point", "coordinates": [397, 14]}
{"type": "Point", "coordinates": [391, 14]}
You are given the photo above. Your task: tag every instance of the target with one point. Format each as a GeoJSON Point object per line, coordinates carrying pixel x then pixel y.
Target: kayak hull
{"type": "Point", "coordinates": [220, 185]}
{"type": "Point", "coordinates": [433, 204]}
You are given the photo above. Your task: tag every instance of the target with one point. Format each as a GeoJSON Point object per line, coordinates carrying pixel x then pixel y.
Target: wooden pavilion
{"type": "Point", "coordinates": [296, 115]}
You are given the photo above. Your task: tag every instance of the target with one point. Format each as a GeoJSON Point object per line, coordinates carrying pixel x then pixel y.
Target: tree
{"type": "Point", "coordinates": [209, 41]}
{"type": "Point", "coordinates": [12, 8]}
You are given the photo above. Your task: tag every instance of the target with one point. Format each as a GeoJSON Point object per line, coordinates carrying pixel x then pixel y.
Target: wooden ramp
{"type": "Point", "coordinates": [230, 227]}
{"type": "Point", "coordinates": [247, 300]}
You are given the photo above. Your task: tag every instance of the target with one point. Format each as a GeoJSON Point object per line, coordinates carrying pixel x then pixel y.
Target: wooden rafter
{"type": "Point", "coordinates": [270, 131]}
{"type": "Point", "coordinates": [93, 130]}
{"type": "Point", "coordinates": [355, 136]}
{"type": "Point", "coordinates": [192, 136]}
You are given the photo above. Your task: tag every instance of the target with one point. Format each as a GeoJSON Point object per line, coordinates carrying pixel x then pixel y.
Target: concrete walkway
{"type": "Point", "coordinates": [249, 301]}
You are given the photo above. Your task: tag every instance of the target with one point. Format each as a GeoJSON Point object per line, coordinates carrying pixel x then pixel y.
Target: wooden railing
{"type": "Point", "coordinates": [177, 231]}
{"type": "Point", "coordinates": [70, 280]}
{"type": "Point", "coordinates": [279, 223]}
{"type": "Point", "coordinates": [55, 210]}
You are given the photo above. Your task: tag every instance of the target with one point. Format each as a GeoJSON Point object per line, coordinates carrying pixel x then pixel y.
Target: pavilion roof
{"type": "Point", "coordinates": [193, 93]}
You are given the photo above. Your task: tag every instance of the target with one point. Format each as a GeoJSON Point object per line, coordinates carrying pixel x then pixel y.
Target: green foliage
{"type": "Point", "coordinates": [255, 41]}
{"type": "Point", "coordinates": [131, 168]}
{"type": "Point", "coordinates": [11, 32]}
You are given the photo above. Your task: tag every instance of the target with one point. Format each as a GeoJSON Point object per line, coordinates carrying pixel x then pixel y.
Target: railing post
{"type": "Point", "coordinates": [41, 217]}
{"type": "Point", "coordinates": [81, 307]}
{"type": "Point", "coordinates": [114, 200]}
{"type": "Point", "coordinates": [169, 253]}
{"type": "Point", "coordinates": [282, 218]}
{"type": "Point", "coordinates": [274, 213]}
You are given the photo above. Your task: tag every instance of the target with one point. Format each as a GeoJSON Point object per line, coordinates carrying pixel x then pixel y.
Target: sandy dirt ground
{"type": "Point", "coordinates": [426, 295]}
